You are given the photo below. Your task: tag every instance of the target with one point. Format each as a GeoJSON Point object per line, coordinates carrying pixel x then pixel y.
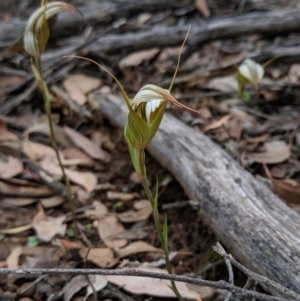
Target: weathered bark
{"type": "Point", "coordinates": [257, 227]}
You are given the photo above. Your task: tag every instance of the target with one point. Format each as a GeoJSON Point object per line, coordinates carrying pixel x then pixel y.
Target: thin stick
{"type": "Point", "coordinates": [253, 276]}
{"type": "Point", "coordinates": [216, 284]}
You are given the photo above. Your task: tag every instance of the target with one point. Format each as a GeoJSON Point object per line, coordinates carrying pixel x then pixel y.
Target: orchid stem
{"type": "Point", "coordinates": [140, 157]}
{"type": "Point", "coordinates": [47, 105]}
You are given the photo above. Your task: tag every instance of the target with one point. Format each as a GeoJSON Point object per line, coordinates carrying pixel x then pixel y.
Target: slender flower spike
{"type": "Point", "coordinates": [37, 32]}
{"type": "Point", "coordinates": [251, 71]}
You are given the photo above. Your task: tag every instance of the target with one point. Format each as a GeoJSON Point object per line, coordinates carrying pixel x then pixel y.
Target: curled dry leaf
{"type": "Point", "coordinates": [108, 227]}
{"type": "Point", "coordinates": [87, 145]}
{"type": "Point", "coordinates": [19, 202]}
{"type": "Point", "coordinates": [276, 152]}
{"type": "Point", "coordinates": [9, 189]}
{"type": "Point", "coordinates": [40, 216]}
{"type": "Point", "coordinates": [10, 167]}
{"type": "Point", "coordinates": [74, 286]}
{"type": "Point", "coordinates": [143, 210]}
{"type": "Point", "coordinates": [152, 286]}
{"type": "Point", "coordinates": [217, 124]}
{"type": "Point", "coordinates": [51, 226]}
{"type": "Point", "coordinates": [120, 196]}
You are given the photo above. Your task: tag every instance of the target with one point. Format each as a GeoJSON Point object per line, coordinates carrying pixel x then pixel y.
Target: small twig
{"type": "Point", "coordinates": [253, 276]}
{"type": "Point", "coordinates": [137, 273]}
{"type": "Point", "coordinates": [57, 187]}
{"type": "Point", "coordinates": [231, 277]}
{"type": "Point", "coordinates": [32, 284]}
{"type": "Point", "coordinates": [87, 276]}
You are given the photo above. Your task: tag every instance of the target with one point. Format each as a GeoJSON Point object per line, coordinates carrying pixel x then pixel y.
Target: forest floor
{"type": "Point", "coordinates": [113, 215]}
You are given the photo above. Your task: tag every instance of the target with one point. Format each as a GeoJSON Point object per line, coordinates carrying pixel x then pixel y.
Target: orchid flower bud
{"type": "Point", "coordinates": [37, 32]}
{"type": "Point", "coordinates": [251, 71]}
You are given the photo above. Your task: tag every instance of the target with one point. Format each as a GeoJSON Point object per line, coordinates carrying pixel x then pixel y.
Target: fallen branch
{"type": "Point", "coordinates": [132, 272]}
{"type": "Point", "coordinates": [266, 23]}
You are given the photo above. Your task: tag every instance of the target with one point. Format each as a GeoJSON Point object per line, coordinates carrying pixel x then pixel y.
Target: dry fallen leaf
{"type": "Point", "coordinates": [225, 83]}
{"type": "Point", "coordinates": [87, 145]}
{"type": "Point", "coordinates": [288, 190]}
{"type": "Point", "coordinates": [217, 124]}
{"type": "Point", "coordinates": [80, 281]}
{"type": "Point", "coordinates": [102, 257]}
{"type": "Point", "coordinates": [136, 248]}
{"type": "Point", "coordinates": [76, 154]}
{"type": "Point", "coordinates": [99, 211]}
{"type": "Point", "coordinates": [10, 167]}
{"type": "Point", "coordinates": [74, 286]}
{"type": "Point", "coordinates": [52, 202]}
{"type": "Point", "coordinates": [136, 58]}
{"type": "Point", "coordinates": [43, 128]}
{"type": "Point", "coordinates": [107, 228]}
{"type": "Point", "coordinates": [19, 202]}
{"type": "Point", "coordinates": [276, 152]}
{"type": "Point", "coordinates": [10, 189]}
{"type": "Point", "coordinates": [37, 151]}
{"type": "Point", "coordinates": [6, 135]}
{"type": "Point", "coordinates": [203, 8]}
{"type": "Point", "coordinates": [120, 196]}
{"type": "Point", "coordinates": [143, 210]}
{"type": "Point", "coordinates": [152, 286]}
{"type": "Point", "coordinates": [79, 85]}
{"type": "Point", "coordinates": [13, 258]}
{"type": "Point", "coordinates": [51, 226]}
{"type": "Point", "coordinates": [85, 179]}
{"type": "Point", "coordinates": [99, 282]}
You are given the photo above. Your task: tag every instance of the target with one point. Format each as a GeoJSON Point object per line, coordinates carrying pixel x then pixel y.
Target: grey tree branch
{"type": "Point", "coordinates": [253, 276]}
{"type": "Point", "coordinates": [132, 272]}
{"type": "Point", "coordinates": [230, 272]}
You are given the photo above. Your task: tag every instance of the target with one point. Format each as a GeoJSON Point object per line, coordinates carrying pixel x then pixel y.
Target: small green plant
{"type": "Point", "coordinates": [35, 41]}
{"type": "Point", "coordinates": [251, 72]}
{"type": "Point", "coordinates": [146, 111]}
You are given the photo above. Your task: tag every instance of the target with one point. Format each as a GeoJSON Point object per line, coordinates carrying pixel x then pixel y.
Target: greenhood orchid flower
{"type": "Point", "coordinates": [146, 109]}
{"type": "Point", "coordinates": [37, 32]}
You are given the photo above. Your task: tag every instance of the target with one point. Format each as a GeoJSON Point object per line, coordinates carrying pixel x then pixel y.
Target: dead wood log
{"type": "Point", "coordinates": [265, 23]}
{"type": "Point", "coordinates": [248, 218]}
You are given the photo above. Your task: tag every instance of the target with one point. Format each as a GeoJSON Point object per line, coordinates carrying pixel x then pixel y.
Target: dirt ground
{"type": "Point", "coordinates": [112, 210]}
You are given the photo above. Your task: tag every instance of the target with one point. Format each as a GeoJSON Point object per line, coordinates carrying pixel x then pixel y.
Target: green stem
{"type": "Point", "coordinates": [47, 104]}
{"type": "Point", "coordinates": [140, 156]}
